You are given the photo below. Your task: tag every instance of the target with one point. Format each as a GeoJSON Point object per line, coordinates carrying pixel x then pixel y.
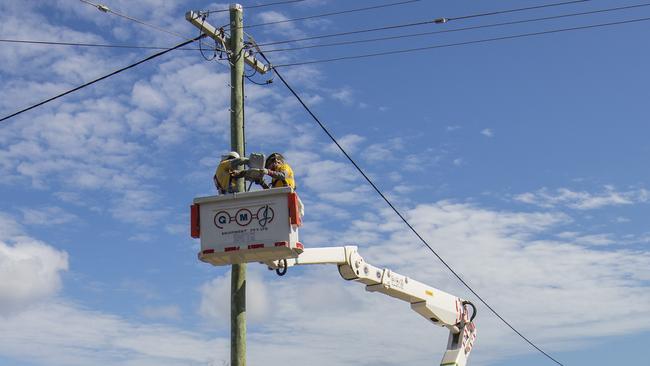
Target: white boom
{"type": "Point", "coordinates": [438, 307]}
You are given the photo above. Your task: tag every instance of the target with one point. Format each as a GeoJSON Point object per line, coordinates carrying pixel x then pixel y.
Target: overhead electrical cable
{"type": "Point", "coordinates": [399, 214]}
{"type": "Point", "coordinates": [498, 12]}
{"type": "Point", "coordinates": [101, 78]}
{"type": "Point", "coordinates": [106, 9]}
{"type": "Point", "coordinates": [397, 26]}
{"type": "Point", "coordinates": [456, 29]}
{"type": "Point", "coordinates": [410, 35]}
{"type": "Point", "coordinates": [486, 40]}
{"type": "Point", "coordinates": [81, 44]}
{"type": "Point", "coordinates": [333, 13]}
{"type": "Point", "coordinates": [257, 6]}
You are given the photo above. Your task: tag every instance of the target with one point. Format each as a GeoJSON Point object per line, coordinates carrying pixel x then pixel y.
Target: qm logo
{"type": "Point", "coordinates": [243, 217]}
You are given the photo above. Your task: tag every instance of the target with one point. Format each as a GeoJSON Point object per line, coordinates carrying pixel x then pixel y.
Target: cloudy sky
{"type": "Point", "coordinates": [523, 162]}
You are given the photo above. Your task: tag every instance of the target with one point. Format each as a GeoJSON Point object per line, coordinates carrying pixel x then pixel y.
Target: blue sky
{"type": "Point", "coordinates": [523, 162]}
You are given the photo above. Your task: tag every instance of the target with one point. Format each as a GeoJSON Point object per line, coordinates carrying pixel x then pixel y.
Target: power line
{"type": "Point", "coordinates": [457, 29]}
{"type": "Point", "coordinates": [334, 13]}
{"type": "Point", "coordinates": [514, 10]}
{"type": "Point", "coordinates": [398, 213]}
{"type": "Point", "coordinates": [257, 6]}
{"type": "Point", "coordinates": [81, 44]}
{"type": "Point", "coordinates": [106, 9]}
{"type": "Point", "coordinates": [106, 45]}
{"type": "Point", "coordinates": [102, 78]}
{"type": "Point", "coordinates": [463, 43]}
{"type": "Point", "coordinates": [425, 22]}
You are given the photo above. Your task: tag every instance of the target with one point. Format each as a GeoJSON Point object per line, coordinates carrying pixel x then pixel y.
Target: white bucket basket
{"type": "Point", "coordinates": [257, 226]}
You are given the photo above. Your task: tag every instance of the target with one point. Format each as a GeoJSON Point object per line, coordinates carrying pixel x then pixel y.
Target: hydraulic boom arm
{"type": "Point", "coordinates": [438, 307]}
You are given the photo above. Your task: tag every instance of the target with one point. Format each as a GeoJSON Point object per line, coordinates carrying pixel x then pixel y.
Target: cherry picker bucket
{"type": "Point", "coordinates": [256, 226]}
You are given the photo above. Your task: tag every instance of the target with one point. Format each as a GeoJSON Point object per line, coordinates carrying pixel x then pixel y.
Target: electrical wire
{"type": "Point", "coordinates": [81, 44]}
{"type": "Point", "coordinates": [257, 6]}
{"type": "Point", "coordinates": [337, 43]}
{"type": "Point", "coordinates": [486, 40]}
{"type": "Point", "coordinates": [397, 26]}
{"type": "Point", "coordinates": [333, 13]}
{"type": "Point", "coordinates": [214, 56]}
{"type": "Point", "coordinates": [106, 9]}
{"type": "Point", "coordinates": [457, 29]}
{"type": "Point", "coordinates": [102, 78]}
{"type": "Point", "coordinates": [398, 213]}
{"type": "Point", "coordinates": [515, 10]}
{"type": "Point", "coordinates": [258, 83]}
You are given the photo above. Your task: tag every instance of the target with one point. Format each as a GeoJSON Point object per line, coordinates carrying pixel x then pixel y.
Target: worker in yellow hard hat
{"type": "Point", "coordinates": [225, 178]}
{"type": "Point", "coordinates": [280, 172]}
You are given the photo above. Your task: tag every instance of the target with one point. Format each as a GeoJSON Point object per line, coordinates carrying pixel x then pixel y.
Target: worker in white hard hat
{"type": "Point", "coordinates": [225, 178]}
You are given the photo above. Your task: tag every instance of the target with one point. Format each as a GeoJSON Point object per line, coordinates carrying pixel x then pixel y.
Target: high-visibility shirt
{"type": "Point", "coordinates": [225, 183]}
{"type": "Point", "coordinates": [282, 177]}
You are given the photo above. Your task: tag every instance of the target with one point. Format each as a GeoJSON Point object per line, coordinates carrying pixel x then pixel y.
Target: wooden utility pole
{"type": "Point", "coordinates": [238, 276]}
{"type": "Point", "coordinates": [236, 56]}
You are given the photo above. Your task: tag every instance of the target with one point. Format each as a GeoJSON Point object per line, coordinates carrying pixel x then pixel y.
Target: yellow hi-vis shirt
{"type": "Point", "coordinates": [288, 180]}
{"type": "Point", "coordinates": [225, 183]}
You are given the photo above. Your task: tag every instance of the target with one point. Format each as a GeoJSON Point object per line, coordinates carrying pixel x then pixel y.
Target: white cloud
{"type": "Point", "coordinates": [595, 239]}
{"type": "Point", "coordinates": [168, 312]}
{"type": "Point", "coordinates": [384, 151]}
{"type": "Point", "coordinates": [583, 200]}
{"type": "Point", "coordinates": [344, 95]}
{"type": "Point", "coordinates": [321, 176]}
{"type": "Point", "coordinates": [61, 333]}
{"type": "Point", "coordinates": [350, 143]}
{"type": "Point", "coordinates": [9, 228]}
{"type": "Point", "coordinates": [47, 216]}
{"type": "Point", "coordinates": [30, 272]}
{"type": "Point", "coordinates": [487, 132]}
{"type": "Point", "coordinates": [215, 299]}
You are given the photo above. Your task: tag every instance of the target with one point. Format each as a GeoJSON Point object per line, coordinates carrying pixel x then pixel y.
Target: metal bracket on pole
{"type": "Point", "coordinates": [197, 20]}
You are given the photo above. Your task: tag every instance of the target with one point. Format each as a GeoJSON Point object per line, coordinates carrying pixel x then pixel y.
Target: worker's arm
{"type": "Point", "coordinates": [276, 174]}
{"type": "Point", "coordinates": [234, 163]}
{"type": "Point", "coordinates": [256, 175]}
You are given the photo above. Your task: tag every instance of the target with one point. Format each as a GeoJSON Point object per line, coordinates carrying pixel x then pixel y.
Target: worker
{"type": "Point", "coordinates": [280, 172]}
{"type": "Point", "coordinates": [225, 178]}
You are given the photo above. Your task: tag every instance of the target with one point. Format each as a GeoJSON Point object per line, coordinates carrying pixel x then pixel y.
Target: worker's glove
{"type": "Point", "coordinates": [238, 173]}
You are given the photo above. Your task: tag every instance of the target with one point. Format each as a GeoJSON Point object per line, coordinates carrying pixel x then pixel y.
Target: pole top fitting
{"type": "Point", "coordinates": [236, 6]}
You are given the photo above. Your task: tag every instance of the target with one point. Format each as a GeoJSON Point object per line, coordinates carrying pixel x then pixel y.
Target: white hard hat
{"type": "Point", "coordinates": [230, 155]}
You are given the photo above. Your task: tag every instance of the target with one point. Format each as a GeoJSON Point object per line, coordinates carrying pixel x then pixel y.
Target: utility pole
{"type": "Point", "coordinates": [238, 275]}
{"type": "Point", "coordinates": [234, 47]}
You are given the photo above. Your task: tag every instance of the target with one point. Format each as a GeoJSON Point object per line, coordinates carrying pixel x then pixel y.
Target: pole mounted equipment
{"type": "Point", "coordinates": [198, 20]}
